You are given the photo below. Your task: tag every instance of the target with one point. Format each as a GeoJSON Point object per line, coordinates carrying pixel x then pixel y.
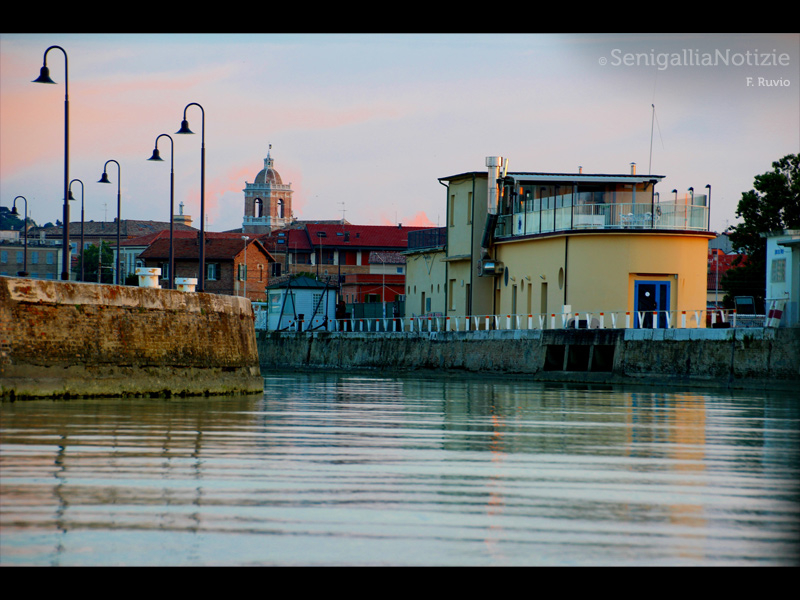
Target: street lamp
{"type": "Point", "coordinates": [708, 227]}
{"type": "Point", "coordinates": [157, 157]}
{"type": "Point", "coordinates": [104, 179]}
{"type": "Point", "coordinates": [44, 77]}
{"type": "Point", "coordinates": [24, 272]}
{"type": "Point", "coordinates": [82, 221]}
{"type": "Point", "coordinates": [201, 276]}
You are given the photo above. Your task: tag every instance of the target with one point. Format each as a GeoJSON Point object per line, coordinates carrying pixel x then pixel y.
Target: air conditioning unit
{"type": "Point", "coordinates": [490, 268]}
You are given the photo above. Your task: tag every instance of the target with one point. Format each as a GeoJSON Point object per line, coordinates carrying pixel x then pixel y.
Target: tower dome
{"type": "Point", "coordinates": [268, 174]}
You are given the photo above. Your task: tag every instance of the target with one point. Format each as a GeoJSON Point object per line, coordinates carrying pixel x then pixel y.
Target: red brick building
{"type": "Point", "coordinates": [233, 265]}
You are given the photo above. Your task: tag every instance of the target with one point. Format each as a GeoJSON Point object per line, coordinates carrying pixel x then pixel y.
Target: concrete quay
{"type": "Point", "coordinates": [61, 339]}
{"type": "Point", "coordinates": [747, 358]}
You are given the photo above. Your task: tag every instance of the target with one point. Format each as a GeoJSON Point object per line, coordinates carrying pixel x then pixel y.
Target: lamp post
{"type": "Point", "coordinates": [24, 272]}
{"type": "Point", "coordinates": [157, 157]}
{"type": "Point", "coordinates": [82, 220]}
{"type": "Point", "coordinates": [201, 276]}
{"type": "Point", "coordinates": [44, 77]}
{"type": "Point", "coordinates": [708, 209]}
{"type": "Point", "coordinates": [104, 179]}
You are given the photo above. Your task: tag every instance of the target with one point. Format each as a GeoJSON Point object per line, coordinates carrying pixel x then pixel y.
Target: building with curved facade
{"type": "Point", "coordinates": [545, 245]}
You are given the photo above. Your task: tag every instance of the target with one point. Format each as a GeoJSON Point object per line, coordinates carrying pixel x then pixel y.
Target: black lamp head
{"type": "Point", "coordinates": [184, 127]}
{"type": "Point", "coordinates": [44, 76]}
{"type": "Point", "coordinates": [14, 210]}
{"type": "Point", "coordinates": [156, 155]}
{"type": "Point", "coordinates": [104, 178]}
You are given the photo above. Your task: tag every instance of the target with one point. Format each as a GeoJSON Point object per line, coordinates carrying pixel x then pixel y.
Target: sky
{"type": "Point", "coordinates": [364, 125]}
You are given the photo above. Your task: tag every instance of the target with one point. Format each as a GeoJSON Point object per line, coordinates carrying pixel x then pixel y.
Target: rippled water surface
{"type": "Point", "coordinates": [352, 470]}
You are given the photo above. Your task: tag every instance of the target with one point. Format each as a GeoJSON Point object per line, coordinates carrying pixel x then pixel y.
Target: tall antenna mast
{"type": "Point", "coordinates": [652, 121]}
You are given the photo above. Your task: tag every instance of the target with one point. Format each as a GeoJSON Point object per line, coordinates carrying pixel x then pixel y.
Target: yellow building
{"type": "Point", "coordinates": [426, 272]}
{"type": "Point", "coordinates": [531, 249]}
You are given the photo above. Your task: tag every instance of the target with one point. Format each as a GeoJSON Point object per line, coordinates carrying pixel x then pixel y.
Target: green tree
{"type": "Point", "coordinates": [773, 205]}
{"type": "Point", "coordinates": [14, 222]}
{"type": "Point", "coordinates": [94, 257]}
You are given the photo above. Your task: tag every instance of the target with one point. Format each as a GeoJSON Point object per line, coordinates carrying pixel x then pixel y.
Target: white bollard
{"type": "Point", "coordinates": [186, 284]}
{"type": "Point", "coordinates": [148, 277]}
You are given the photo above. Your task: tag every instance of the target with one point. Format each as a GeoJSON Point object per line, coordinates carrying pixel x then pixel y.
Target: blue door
{"type": "Point", "coordinates": [651, 296]}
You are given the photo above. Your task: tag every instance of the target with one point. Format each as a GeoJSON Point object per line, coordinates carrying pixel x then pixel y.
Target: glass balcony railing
{"type": "Point", "coordinates": [630, 216]}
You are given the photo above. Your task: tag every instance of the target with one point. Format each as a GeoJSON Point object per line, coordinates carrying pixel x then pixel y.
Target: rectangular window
{"type": "Point", "coordinates": [4, 256]}
{"type": "Point", "coordinates": [35, 258]}
{"type": "Point", "coordinates": [778, 271]}
{"type": "Point", "coordinates": [212, 271]}
{"type": "Point", "coordinates": [242, 272]}
{"type": "Point", "coordinates": [50, 258]}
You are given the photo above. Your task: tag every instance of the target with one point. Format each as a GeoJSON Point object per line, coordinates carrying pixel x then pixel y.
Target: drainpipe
{"type": "Point", "coordinates": [493, 163]}
{"type": "Point", "coordinates": [566, 256]}
{"type": "Point", "coordinates": [446, 263]}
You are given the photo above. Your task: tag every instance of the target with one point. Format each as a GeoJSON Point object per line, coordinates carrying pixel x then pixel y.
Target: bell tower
{"type": "Point", "coordinates": [267, 201]}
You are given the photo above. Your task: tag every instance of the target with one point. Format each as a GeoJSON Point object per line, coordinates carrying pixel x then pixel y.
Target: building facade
{"type": "Point", "coordinates": [43, 260]}
{"type": "Point", "coordinates": [426, 272]}
{"type": "Point", "coordinates": [783, 277]}
{"type": "Point", "coordinates": [531, 244]}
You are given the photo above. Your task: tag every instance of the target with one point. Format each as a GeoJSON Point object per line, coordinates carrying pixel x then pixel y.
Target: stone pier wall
{"type": "Point", "coordinates": [732, 358]}
{"type": "Point", "coordinates": [63, 339]}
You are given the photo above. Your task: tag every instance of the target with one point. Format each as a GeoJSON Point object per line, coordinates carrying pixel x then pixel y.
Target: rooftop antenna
{"type": "Point", "coordinates": [652, 122]}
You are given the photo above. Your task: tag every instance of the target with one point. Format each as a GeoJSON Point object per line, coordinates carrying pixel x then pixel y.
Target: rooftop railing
{"type": "Point", "coordinates": [427, 238]}
{"type": "Point", "coordinates": [626, 216]}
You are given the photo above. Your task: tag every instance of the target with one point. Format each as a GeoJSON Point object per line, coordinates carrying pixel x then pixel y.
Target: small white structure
{"type": "Point", "coordinates": [148, 277]}
{"type": "Point", "coordinates": [783, 276]}
{"type": "Point", "coordinates": [301, 304]}
{"type": "Point", "coordinates": [185, 284]}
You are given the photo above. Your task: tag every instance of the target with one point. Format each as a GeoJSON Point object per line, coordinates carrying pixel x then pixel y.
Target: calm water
{"type": "Point", "coordinates": [354, 470]}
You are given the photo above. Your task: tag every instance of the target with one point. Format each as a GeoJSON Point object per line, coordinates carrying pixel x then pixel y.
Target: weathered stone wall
{"type": "Point", "coordinates": [78, 339]}
{"type": "Point", "coordinates": [752, 357]}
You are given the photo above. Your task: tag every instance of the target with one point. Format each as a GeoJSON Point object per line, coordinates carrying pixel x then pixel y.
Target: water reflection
{"type": "Point", "coordinates": [333, 469]}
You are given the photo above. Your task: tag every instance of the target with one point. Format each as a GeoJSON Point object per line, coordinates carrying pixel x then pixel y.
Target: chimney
{"type": "Point", "coordinates": [580, 170]}
{"type": "Point", "coordinates": [494, 163]}
{"type": "Point", "coordinates": [633, 168]}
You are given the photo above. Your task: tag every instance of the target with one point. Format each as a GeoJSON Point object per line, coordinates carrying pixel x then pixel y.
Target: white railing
{"type": "Point", "coordinates": [684, 319]}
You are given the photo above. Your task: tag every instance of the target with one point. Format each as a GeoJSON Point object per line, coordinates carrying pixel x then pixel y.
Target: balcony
{"type": "Point", "coordinates": [427, 238]}
{"type": "Point", "coordinates": [639, 216]}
